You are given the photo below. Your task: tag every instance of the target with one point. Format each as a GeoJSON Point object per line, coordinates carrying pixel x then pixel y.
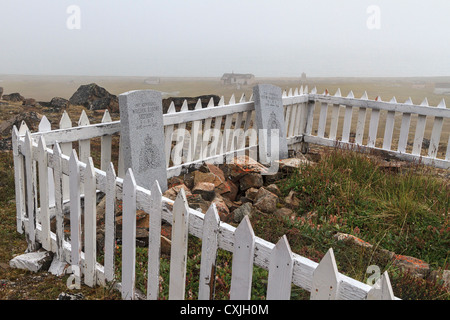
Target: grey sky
{"type": "Point", "coordinates": [210, 37]}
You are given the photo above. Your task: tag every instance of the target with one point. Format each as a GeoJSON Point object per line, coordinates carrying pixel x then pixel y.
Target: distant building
{"type": "Point", "coordinates": [238, 78]}
{"type": "Point", "coordinates": [153, 80]}
{"type": "Point", "coordinates": [442, 88]}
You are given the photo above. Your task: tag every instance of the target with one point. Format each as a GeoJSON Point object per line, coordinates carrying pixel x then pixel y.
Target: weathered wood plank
{"type": "Point", "coordinates": [280, 271]}
{"type": "Point", "coordinates": [30, 192]}
{"type": "Point", "coordinates": [58, 176]}
{"type": "Point", "coordinates": [129, 236]}
{"type": "Point", "coordinates": [154, 241]}
{"type": "Point", "coordinates": [389, 130]}
{"type": "Point", "coordinates": [242, 264]}
{"type": "Point", "coordinates": [322, 119]}
{"type": "Point", "coordinates": [373, 128]}
{"type": "Point", "coordinates": [106, 144]}
{"type": "Point", "coordinates": [75, 210]}
{"type": "Point", "coordinates": [19, 180]}
{"type": "Point", "coordinates": [110, 229]}
{"type": "Point", "coordinates": [209, 253]}
{"type": "Point", "coordinates": [178, 254]}
{"type": "Point", "coordinates": [334, 121]}
{"type": "Point", "coordinates": [326, 279]}
{"type": "Point", "coordinates": [90, 223]}
{"type": "Point", "coordinates": [44, 194]}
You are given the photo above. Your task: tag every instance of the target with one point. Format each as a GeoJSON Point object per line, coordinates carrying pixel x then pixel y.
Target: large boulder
{"type": "Point", "coordinates": [58, 103]}
{"type": "Point", "coordinates": [94, 97]}
{"type": "Point", "coordinates": [1, 92]}
{"type": "Point", "coordinates": [13, 97]}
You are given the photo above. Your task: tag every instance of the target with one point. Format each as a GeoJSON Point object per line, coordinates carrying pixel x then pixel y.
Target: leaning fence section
{"type": "Point", "coordinates": [52, 179]}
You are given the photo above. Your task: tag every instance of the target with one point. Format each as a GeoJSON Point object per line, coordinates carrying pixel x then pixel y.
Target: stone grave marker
{"type": "Point", "coordinates": [142, 134]}
{"type": "Point", "coordinates": [270, 123]}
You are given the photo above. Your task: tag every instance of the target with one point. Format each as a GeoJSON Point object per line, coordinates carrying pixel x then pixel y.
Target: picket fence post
{"type": "Point", "coordinates": [209, 253]}
{"type": "Point", "coordinates": [154, 241]}
{"type": "Point", "coordinates": [242, 263]}
{"type": "Point", "coordinates": [90, 222]}
{"type": "Point", "coordinates": [129, 236]}
{"type": "Point", "coordinates": [326, 279]}
{"type": "Point", "coordinates": [178, 253]}
{"type": "Point", "coordinates": [110, 229]}
{"type": "Point", "coordinates": [75, 210]}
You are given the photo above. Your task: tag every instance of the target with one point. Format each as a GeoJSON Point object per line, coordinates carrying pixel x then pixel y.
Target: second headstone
{"type": "Point", "coordinates": [269, 116]}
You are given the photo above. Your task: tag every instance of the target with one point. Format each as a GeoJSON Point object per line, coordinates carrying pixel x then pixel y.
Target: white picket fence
{"type": "Point", "coordinates": [51, 178]}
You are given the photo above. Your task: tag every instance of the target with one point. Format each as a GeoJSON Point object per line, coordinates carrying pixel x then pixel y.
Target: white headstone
{"type": "Point", "coordinates": [270, 117]}
{"type": "Point", "coordinates": [142, 134]}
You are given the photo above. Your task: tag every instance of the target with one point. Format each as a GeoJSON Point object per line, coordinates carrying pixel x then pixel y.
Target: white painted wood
{"type": "Point", "coordinates": [447, 155]}
{"type": "Point", "coordinates": [360, 125]}
{"type": "Point", "coordinates": [326, 279]}
{"type": "Point", "coordinates": [280, 271]}
{"type": "Point", "coordinates": [110, 228]}
{"type": "Point", "coordinates": [418, 138]}
{"type": "Point", "coordinates": [129, 236]}
{"type": "Point", "coordinates": [168, 132]}
{"type": "Point", "coordinates": [242, 264]}
{"type": "Point", "coordinates": [373, 128]}
{"type": "Point", "coordinates": [19, 179]}
{"type": "Point", "coordinates": [216, 143]}
{"type": "Point", "coordinates": [293, 121]}
{"type": "Point", "coordinates": [84, 145]}
{"type": "Point", "coordinates": [382, 289]}
{"type": "Point", "coordinates": [209, 254]}
{"type": "Point", "coordinates": [106, 144]}
{"type": "Point", "coordinates": [322, 120]}
{"type": "Point", "coordinates": [206, 148]}
{"type": "Point", "coordinates": [196, 136]}
{"type": "Point", "coordinates": [31, 205]}
{"type": "Point", "coordinates": [154, 241]}
{"type": "Point", "coordinates": [59, 216]}
{"type": "Point", "coordinates": [120, 163]}
{"type": "Point", "coordinates": [334, 121]}
{"type": "Point", "coordinates": [389, 130]}
{"type": "Point", "coordinates": [179, 152]}
{"type": "Point", "coordinates": [227, 134]}
{"type": "Point", "coordinates": [178, 253]}
{"type": "Point", "coordinates": [238, 132]}
{"type": "Point", "coordinates": [404, 132]}
{"type": "Point", "coordinates": [347, 123]}
{"type": "Point", "coordinates": [44, 194]}
{"type": "Point", "coordinates": [45, 126]}
{"type": "Point", "coordinates": [90, 223]}
{"type": "Point", "coordinates": [287, 116]}
{"type": "Point", "coordinates": [309, 117]}
{"type": "Point", "coordinates": [406, 107]}
{"type": "Point", "coordinates": [436, 132]}
{"type": "Point", "coordinates": [66, 148]}
{"type": "Point", "coordinates": [75, 209]}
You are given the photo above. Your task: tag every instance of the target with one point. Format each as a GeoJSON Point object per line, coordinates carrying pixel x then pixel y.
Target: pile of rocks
{"type": "Point", "coordinates": [240, 188]}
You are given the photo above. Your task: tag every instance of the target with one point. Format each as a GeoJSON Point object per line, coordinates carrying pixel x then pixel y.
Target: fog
{"type": "Point", "coordinates": [200, 38]}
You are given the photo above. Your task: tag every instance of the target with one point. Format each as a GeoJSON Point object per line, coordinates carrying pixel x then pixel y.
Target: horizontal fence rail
{"type": "Point", "coordinates": [52, 179]}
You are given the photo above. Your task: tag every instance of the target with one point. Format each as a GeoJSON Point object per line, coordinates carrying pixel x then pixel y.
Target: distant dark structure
{"type": "Point", "coordinates": [303, 79]}
{"type": "Point", "coordinates": [238, 78]}
{"type": "Point", "coordinates": [442, 88]}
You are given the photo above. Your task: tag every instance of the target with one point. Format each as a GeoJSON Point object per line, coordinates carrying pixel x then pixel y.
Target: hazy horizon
{"type": "Point", "coordinates": [145, 38]}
